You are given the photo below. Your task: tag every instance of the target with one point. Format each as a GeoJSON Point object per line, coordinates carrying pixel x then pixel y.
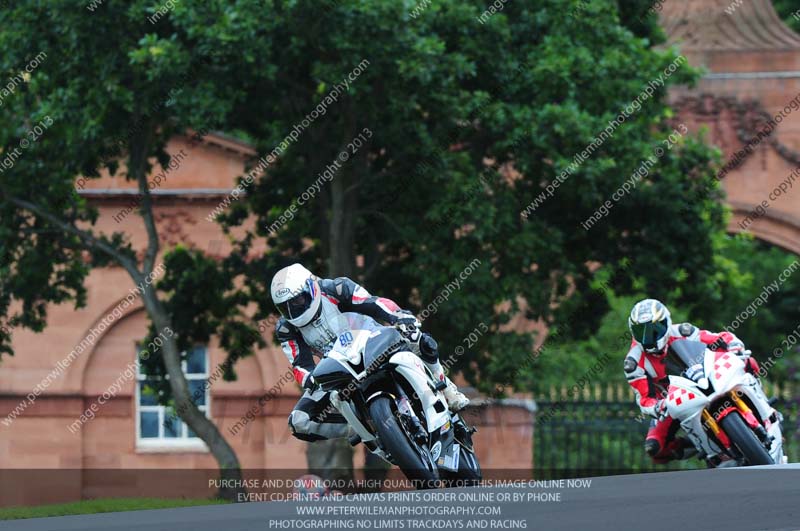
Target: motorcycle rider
{"type": "Point", "coordinates": [311, 322]}
{"type": "Point", "coordinates": [652, 334]}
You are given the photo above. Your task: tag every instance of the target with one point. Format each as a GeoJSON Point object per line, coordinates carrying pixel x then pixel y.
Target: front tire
{"type": "Point", "coordinates": [469, 471]}
{"type": "Point", "coordinates": [422, 473]}
{"type": "Point", "coordinates": [745, 440]}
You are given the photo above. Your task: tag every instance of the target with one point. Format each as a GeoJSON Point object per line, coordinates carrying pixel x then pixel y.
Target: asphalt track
{"type": "Point", "coordinates": [752, 499]}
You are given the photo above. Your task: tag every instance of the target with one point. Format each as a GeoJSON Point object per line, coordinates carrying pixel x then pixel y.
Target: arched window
{"type": "Point", "coordinates": [159, 427]}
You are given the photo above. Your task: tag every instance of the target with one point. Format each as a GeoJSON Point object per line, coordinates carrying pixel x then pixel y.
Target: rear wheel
{"type": "Point", "coordinates": [743, 438]}
{"type": "Point", "coordinates": [414, 461]}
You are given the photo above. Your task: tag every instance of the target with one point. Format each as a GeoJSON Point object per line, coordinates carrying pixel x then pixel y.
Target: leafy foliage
{"type": "Point", "coordinates": [789, 12]}
{"type": "Point", "coordinates": [199, 312]}
{"type": "Point", "coordinates": [112, 88]}
{"type": "Point", "coordinates": [762, 327]}
{"type": "Point", "coordinates": [469, 123]}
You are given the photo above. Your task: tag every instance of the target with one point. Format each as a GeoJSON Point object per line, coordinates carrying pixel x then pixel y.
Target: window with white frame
{"type": "Point", "coordinates": [160, 426]}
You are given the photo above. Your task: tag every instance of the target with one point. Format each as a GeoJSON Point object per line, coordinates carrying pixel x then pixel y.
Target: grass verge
{"type": "Point", "coordinates": [99, 506]}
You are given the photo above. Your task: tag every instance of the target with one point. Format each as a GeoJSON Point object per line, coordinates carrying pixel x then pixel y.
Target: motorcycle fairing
{"type": "Point", "coordinates": [726, 374]}
{"type": "Point", "coordinates": [411, 368]}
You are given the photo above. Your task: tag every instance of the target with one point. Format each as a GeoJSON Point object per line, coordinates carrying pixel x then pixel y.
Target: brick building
{"type": "Point", "coordinates": [753, 64]}
{"type": "Point", "coordinates": [73, 406]}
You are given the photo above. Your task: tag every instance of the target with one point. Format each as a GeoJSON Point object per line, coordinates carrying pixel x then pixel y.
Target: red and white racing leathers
{"type": "Point", "coordinates": [647, 374]}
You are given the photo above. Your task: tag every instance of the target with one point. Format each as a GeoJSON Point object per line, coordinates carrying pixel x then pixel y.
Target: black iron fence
{"type": "Point", "coordinates": [600, 431]}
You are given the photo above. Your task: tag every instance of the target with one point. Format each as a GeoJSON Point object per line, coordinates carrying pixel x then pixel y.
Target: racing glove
{"type": "Point", "coordinates": [408, 319]}
{"type": "Point", "coordinates": [409, 326]}
{"type": "Point", "coordinates": [695, 372]}
{"type": "Point", "coordinates": [719, 344]}
{"type": "Point", "coordinates": [660, 410]}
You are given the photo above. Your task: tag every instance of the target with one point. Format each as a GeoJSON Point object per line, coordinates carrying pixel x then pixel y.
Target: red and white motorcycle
{"type": "Point", "coordinates": [722, 408]}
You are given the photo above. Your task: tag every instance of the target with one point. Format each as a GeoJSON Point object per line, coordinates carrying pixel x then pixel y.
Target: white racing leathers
{"type": "Point", "coordinates": [312, 419]}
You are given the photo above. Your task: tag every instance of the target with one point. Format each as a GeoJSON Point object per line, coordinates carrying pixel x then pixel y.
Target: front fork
{"type": "Point", "coordinates": [406, 415]}
{"type": "Point", "coordinates": [747, 414]}
{"type": "Point", "coordinates": [751, 419]}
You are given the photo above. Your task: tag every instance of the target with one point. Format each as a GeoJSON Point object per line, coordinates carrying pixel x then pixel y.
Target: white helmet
{"type": "Point", "coordinates": [296, 294]}
{"type": "Point", "coordinates": [649, 323]}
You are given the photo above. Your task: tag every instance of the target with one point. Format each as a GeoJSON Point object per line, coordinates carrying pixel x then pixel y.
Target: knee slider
{"type": "Point", "coordinates": [299, 426]}
{"type": "Point", "coordinates": [298, 422]}
{"type": "Point", "coordinates": [652, 447]}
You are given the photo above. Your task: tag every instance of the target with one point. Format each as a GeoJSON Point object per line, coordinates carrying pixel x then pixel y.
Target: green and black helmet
{"type": "Point", "coordinates": [649, 324]}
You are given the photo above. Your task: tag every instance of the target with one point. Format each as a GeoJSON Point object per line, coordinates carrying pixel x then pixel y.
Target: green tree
{"type": "Point", "coordinates": [114, 87]}
{"type": "Point", "coordinates": [457, 122]}
{"type": "Point", "coordinates": [763, 309]}
{"type": "Point", "coordinates": [427, 177]}
{"type": "Point", "coordinates": [789, 12]}
{"type": "Point", "coordinates": [758, 302]}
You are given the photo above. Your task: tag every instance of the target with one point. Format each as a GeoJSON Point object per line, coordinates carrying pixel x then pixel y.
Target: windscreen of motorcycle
{"type": "Point", "coordinates": [381, 344]}
{"type": "Point", "coordinates": [355, 330]}
{"type": "Point", "coordinates": [685, 353]}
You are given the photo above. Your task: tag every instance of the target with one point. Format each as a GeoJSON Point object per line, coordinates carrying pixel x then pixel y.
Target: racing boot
{"type": "Point", "coordinates": [652, 447]}
{"type": "Point", "coordinates": [429, 352]}
{"type": "Point", "coordinates": [675, 450]}
{"type": "Point", "coordinates": [456, 400]}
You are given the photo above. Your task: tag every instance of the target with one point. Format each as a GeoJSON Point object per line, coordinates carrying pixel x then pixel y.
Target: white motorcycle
{"type": "Point", "coordinates": [722, 408]}
{"type": "Point", "coordinates": [391, 400]}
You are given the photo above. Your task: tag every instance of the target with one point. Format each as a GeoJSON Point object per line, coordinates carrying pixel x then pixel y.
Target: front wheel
{"type": "Point", "coordinates": [745, 440]}
{"type": "Point", "coordinates": [469, 471]}
{"type": "Point", "coordinates": [407, 455]}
